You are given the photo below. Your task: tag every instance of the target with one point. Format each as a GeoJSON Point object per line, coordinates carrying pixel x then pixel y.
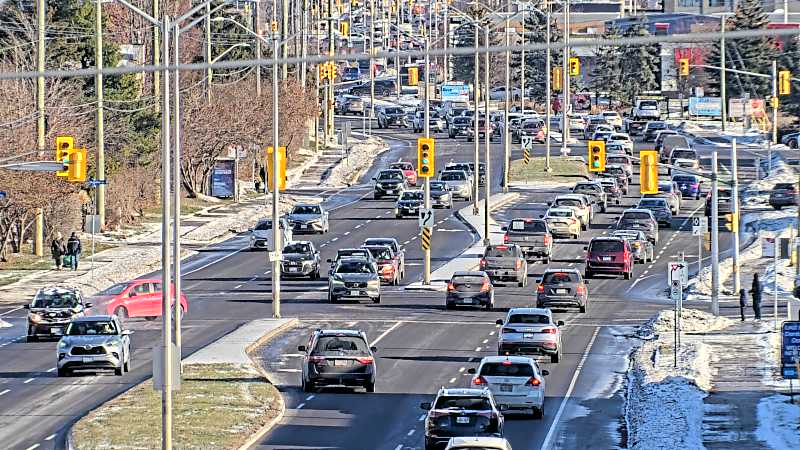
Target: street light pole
{"type": "Point", "coordinates": [714, 236]}
{"type": "Point", "coordinates": [100, 173]}
{"type": "Point", "coordinates": [735, 218]}
{"type": "Point", "coordinates": [523, 66]}
{"type": "Point", "coordinates": [257, 29]}
{"type": "Point", "coordinates": [41, 12]}
{"type": "Point", "coordinates": [371, 64]}
{"type": "Point", "coordinates": [476, 191]}
{"type": "Point", "coordinates": [276, 228]}
{"type": "Point", "coordinates": [566, 107]}
{"type": "Point", "coordinates": [506, 141]}
{"type": "Point", "coordinates": [723, 93]}
{"type": "Point", "coordinates": [775, 105]}
{"type": "Point", "coordinates": [548, 106]}
{"type": "Point", "coordinates": [488, 145]}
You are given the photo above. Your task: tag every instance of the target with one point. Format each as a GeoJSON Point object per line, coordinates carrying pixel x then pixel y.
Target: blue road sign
{"type": "Point", "coordinates": [93, 182]}
{"type": "Point", "coordinates": [790, 349]}
{"type": "Point", "coordinates": [3, 195]}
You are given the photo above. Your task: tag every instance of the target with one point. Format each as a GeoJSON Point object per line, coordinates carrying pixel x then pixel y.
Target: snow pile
{"type": "Point", "coordinates": [757, 193]}
{"type": "Point", "coordinates": [360, 159]}
{"type": "Point", "coordinates": [778, 423]}
{"type": "Point", "coordinates": [4, 324]}
{"type": "Point", "coordinates": [692, 321]}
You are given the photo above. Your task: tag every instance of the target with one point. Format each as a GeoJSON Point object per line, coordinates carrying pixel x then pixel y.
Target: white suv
{"type": "Point", "coordinates": [530, 331]}
{"type": "Point", "coordinates": [515, 381]}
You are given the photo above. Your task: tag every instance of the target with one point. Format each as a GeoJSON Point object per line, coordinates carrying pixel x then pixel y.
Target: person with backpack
{"type": "Point", "coordinates": [73, 250]}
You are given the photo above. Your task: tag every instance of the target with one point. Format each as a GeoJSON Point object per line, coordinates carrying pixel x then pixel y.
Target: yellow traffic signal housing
{"type": "Point", "coordinates": [574, 67]}
{"type": "Point", "coordinates": [557, 84]}
{"type": "Point", "coordinates": [732, 222]}
{"type": "Point", "coordinates": [425, 157]}
{"type": "Point", "coordinates": [65, 145]}
{"type": "Point", "coordinates": [332, 70]}
{"type": "Point", "coordinates": [77, 166]}
{"type": "Point", "coordinates": [344, 28]}
{"type": "Point", "coordinates": [648, 172]}
{"type": "Point", "coordinates": [683, 67]}
{"type": "Point", "coordinates": [323, 71]}
{"type": "Point", "coordinates": [281, 168]}
{"type": "Point", "coordinates": [597, 156]}
{"type": "Point", "coordinates": [784, 82]}
{"type": "Point", "coordinates": [413, 76]}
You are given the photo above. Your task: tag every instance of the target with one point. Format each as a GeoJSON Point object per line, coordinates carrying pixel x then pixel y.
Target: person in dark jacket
{"type": "Point", "coordinates": [57, 250]}
{"type": "Point", "coordinates": [73, 250]}
{"type": "Point", "coordinates": [742, 302]}
{"type": "Point", "coordinates": [755, 292]}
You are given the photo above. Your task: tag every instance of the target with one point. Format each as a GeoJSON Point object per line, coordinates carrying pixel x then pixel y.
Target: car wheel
{"type": "Point", "coordinates": [587, 274]}
{"type": "Point", "coordinates": [307, 386]}
{"type": "Point", "coordinates": [626, 275]}
{"type": "Point", "coordinates": [582, 308]}
{"type": "Point", "coordinates": [150, 318]}
{"type": "Point", "coordinates": [777, 207]}
{"type": "Point", "coordinates": [118, 371]}
{"type": "Point", "coordinates": [584, 227]}
{"type": "Point", "coordinates": [370, 387]}
{"type": "Point", "coordinates": [63, 372]}
{"type": "Point", "coordinates": [331, 298]}
{"type": "Point", "coordinates": [792, 143]}
{"type": "Point", "coordinates": [521, 283]}
{"type": "Point", "coordinates": [376, 197]}
{"type": "Point", "coordinates": [121, 313]}
{"type": "Point", "coordinates": [546, 260]}
{"type": "Point", "coordinates": [538, 413]}
{"type": "Point", "coordinates": [127, 365]}
{"type": "Point", "coordinates": [555, 358]}
{"type": "Point", "coordinates": [376, 300]}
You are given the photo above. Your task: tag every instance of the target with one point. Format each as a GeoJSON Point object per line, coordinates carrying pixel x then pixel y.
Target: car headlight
{"type": "Point", "coordinates": [373, 283]}
{"type": "Point", "coordinates": [336, 280]}
{"type": "Point", "coordinates": [62, 344]}
{"type": "Point", "coordinates": [35, 318]}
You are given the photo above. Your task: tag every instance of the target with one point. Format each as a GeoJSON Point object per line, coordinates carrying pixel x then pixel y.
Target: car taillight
{"type": "Point", "coordinates": [365, 359]}
{"type": "Point", "coordinates": [479, 381]}
{"type": "Point", "coordinates": [485, 286]}
{"type": "Point", "coordinates": [533, 381]}
{"type": "Point", "coordinates": [540, 289]}
{"type": "Point", "coordinates": [581, 290]}
{"type": "Point", "coordinates": [573, 220]}
{"type": "Point", "coordinates": [387, 269]}
{"type": "Point", "coordinates": [483, 263]}
{"type": "Point", "coordinates": [505, 238]}
{"type": "Point", "coordinates": [546, 239]}
{"type": "Point", "coordinates": [519, 264]}
{"type": "Point", "coordinates": [549, 331]}
{"type": "Point", "coordinates": [451, 286]}
{"type": "Point", "coordinates": [317, 359]}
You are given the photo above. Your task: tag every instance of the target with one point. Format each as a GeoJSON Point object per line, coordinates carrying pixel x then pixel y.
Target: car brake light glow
{"type": "Point", "coordinates": [505, 237]}
{"type": "Point", "coordinates": [533, 381]}
{"type": "Point", "coordinates": [387, 269]}
{"type": "Point", "coordinates": [316, 359]}
{"type": "Point", "coordinates": [581, 290]}
{"type": "Point", "coordinates": [485, 286]}
{"type": "Point", "coordinates": [483, 263]}
{"type": "Point", "coordinates": [546, 239]}
{"type": "Point", "coordinates": [508, 330]}
{"type": "Point", "coordinates": [502, 247]}
{"type": "Point", "coordinates": [540, 289]}
{"type": "Point", "coordinates": [366, 359]}
{"type": "Point", "coordinates": [518, 265]}
{"type": "Point", "coordinates": [451, 286]}
{"type": "Point", "coordinates": [549, 331]}
{"type": "Point", "coordinates": [506, 363]}
{"type": "Point", "coordinates": [479, 381]}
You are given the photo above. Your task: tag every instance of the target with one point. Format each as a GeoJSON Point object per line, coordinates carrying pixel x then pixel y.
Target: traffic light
{"type": "Point", "coordinates": [281, 168]}
{"type": "Point", "coordinates": [732, 222]}
{"type": "Point", "coordinates": [683, 67]}
{"type": "Point", "coordinates": [413, 76]}
{"type": "Point", "coordinates": [332, 70]}
{"type": "Point", "coordinates": [557, 79]}
{"type": "Point", "coordinates": [77, 166]}
{"type": "Point", "coordinates": [425, 157]}
{"type": "Point", "coordinates": [323, 71]}
{"type": "Point", "coordinates": [344, 28]}
{"type": "Point", "coordinates": [574, 67]}
{"type": "Point", "coordinates": [65, 145]}
{"type": "Point", "coordinates": [648, 172]}
{"type": "Point", "coordinates": [784, 82]}
{"type": "Point", "coordinates": [597, 156]}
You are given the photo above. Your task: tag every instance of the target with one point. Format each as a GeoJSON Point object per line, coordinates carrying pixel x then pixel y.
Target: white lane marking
{"type": "Point", "coordinates": [346, 233]}
{"type": "Point", "coordinates": [52, 369]}
{"type": "Point", "coordinates": [28, 380]}
{"type": "Point", "coordinates": [290, 370]}
{"type": "Point", "coordinates": [452, 380]}
{"type": "Point", "coordinates": [399, 447]}
{"type": "Point", "coordinates": [477, 349]}
{"type": "Point", "coordinates": [645, 272]}
{"type": "Point", "coordinates": [554, 425]}
{"type": "Point", "coordinates": [50, 438]}
{"type": "Point", "coordinates": [389, 330]}
{"type": "Point", "coordinates": [334, 239]}
{"type": "Point", "coordinates": [254, 278]}
{"type": "Point", "coordinates": [485, 341]}
{"type": "Point", "coordinates": [322, 245]}
{"type": "Point", "coordinates": [650, 266]}
{"type": "Point", "coordinates": [368, 221]}
{"type": "Point", "coordinates": [422, 417]}
{"type": "Point", "coordinates": [10, 311]}
{"type": "Point", "coordinates": [32, 447]}
{"type": "Point", "coordinates": [410, 432]}
{"type": "Point", "coordinates": [237, 286]}
{"type": "Point", "coordinates": [491, 333]}
{"type": "Point", "coordinates": [300, 406]}
{"type": "Point", "coordinates": [310, 397]}
{"type": "Point", "coordinates": [358, 226]}
{"type": "Point", "coordinates": [5, 392]}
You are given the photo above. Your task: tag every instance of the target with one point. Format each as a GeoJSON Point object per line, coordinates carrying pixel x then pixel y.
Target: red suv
{"type": "Point", "coordinates": [408, 171]}
{"type": "Point", "coordinates": [611, 255]}
{"type": "Point", "coordinates": [136, 298]}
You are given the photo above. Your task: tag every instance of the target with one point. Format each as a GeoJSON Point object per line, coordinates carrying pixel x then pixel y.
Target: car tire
{"type": "Point", "coordinates": [119, 371]}
{"type": "Point", "coordinates": [121, 313]}
{"type": "Point", "coordinates": [376, 300]}
{"type": "Point", "coordinates": [582, 308]}
{"type": "Point", "coordinates": [627, 275]}
{"type": "Point", "coordinates": [538, 413]}
{"type": "Point", "coordinates": [555, 358]}
{"type": "Point", "coordinates": [150, 318]}
{"type": "Point", "coordinates": [370, 387]}
{"type": "Point", "coordinates": [777, 207]}
{"type": "Point", "coordinates": [587, 274]}
{"type": "Point", "coordinates": [792, 143]}
{"type": "Point", "coordinates": [376, 197]}
{"type": "Point", "coordinates": [63, 372]}
{"type": "Point", "coordinates": [307, 386]}
{"type": "Point", "coordinates": [546, 260]}
{"type": "Point", "coordinates": [127, 365]}
{"type": "Point", "coordinates": [521, 283]}
{"type": "Point", "coordinates": [331, 298]}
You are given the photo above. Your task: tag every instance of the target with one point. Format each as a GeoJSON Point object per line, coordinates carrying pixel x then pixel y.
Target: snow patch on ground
{"type": "Point", "coordinates": [4, 324]}
{"type": "Point", "coordinates": [360, 159]}
{"type": "Point", "coordinates": [779, 423]}
{"type": "Point", "coordinates": [757, 193]}
{"type": "Point", "coordinates": [664, 408]}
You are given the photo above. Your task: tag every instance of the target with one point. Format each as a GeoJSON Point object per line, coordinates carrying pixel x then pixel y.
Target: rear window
{"type": "Point", "coordinates": [467, 279]}
{"type": "Point", "coordinates": [616, 160]}
{"type": "Point", "coordinates": [380, 253]}
{"type": "Point", "coordinates": [334, 345]}
{"type": "Point", "coordinates": [461, 120]}
{"type": "Point", "coordinates": [473, 403]}
{"type": "Point", "coordinates": [690, 179]}
{"type": "Point", "coordinates": [685, 154]}
{"type": "Point", "coordinates": [615, 170]}
{"type": "Point", "coordinates": [499, 251]}
{"type": "Point", "coordinates": [560, 277]}
{"type": "Point", "coordinates": [785, 186]}
{"type": "Point", "coordinates": [568, 202]}
{"type": "Point", "coordinates": [638, 215]}
{"type": "Point", "coordinates": [561, 213]}
{"type": "Point", "coordinates": [390, 176]}
{"type": "Point", "coordinates": [529, 318]}
{"type": "Point", "coordinates": [532, 226]}
{"type": "Point", "coordinates": [507, 369]}
{"type": "Point", "coordinates": [452, 176]}
{"type": "Point", "coordinates": [354, 252]}
{"type": "Point", "coordinates": [605, 246]}
{"type": "Point", "coordinates": [652, 203]}
{"type": "Point", "coordinates": [586, 188]}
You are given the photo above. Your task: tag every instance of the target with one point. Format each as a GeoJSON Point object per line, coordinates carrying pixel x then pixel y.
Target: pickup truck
{"type": "Point", "coordinates": [532, 236]}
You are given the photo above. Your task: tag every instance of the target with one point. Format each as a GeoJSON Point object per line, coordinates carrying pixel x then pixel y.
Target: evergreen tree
{"type": "Point", "coordinates": [536, 61]}
{"type": "Point", "coordinates": [640, 66]}
{"type": "Point", "coordinates": [463, 66]}
{"type": "Point", "coordinates": [790, 60]}
{"type": "Point", "coordinates": [753, 54]}
{"type": "Point", "coordinates": [607, 74]}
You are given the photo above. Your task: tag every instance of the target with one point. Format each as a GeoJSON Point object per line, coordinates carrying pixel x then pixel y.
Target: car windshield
{"type": "Point", "coordinates": [689, 179]}
{"type": "Point", "coordinates": [438, 186]}
{"type": "Point", "coordinates": [540, 319]}
{"type": "Point", "coordinates": [391, 176]}
{"type": "Point", "coordinates": [354, 267]}
{"type": "Point", "coordinates": [415, 195]}
{"type": "Point", "coordinates": [684, 154]}
{"type": "Point", "coordinates": [615, 170]}
{"type": "Point", "coordinates": [114, 290]}
{"type": "Point", "coordinates": [560, 213]}
{"type": "Point", "coordinates": [507, 369]}
{"type": "Point", "coordinates": [605, 246]}
{"type": "Point", "coordinates": [461, 120]}
{"type": "Point", "coordinates": [616, 160]}
{"type": "Point", "coordinates": [265, 225]}
{"type": "Point", "coordinates": [533, 226]}
{"type": "Point", "coordinates": [655, 125]}
{"type": "Point", "coordinates": [665, 186]}
{"type": "Point", "coordinates": [452, 176]}
{"type": "Point", "coordinates": [474, 403]}
{"type": "Point", "coordinates": [465, 167]}
{"type": "Point", "coordinates": [652, 203]}
{"type": "Point", "coordinates": [784, 186]}
{"type": "Point", "coordinates": [402, 166]}
{"type": "Point", "coordinates": [60, 299]}
{"type": "Point", "coordinates": [93, 327]}
{"type": "Point", "coordinates": [297, 247]}
{"type": "Point", "coordinates": [380, 252]}
{"type": "Point", "coordinates": [648, 105]}
{"type": "Point", "coordinates": [499, 251]}
{"type": "Point", "coordinates": [307, 209]}
{"type": "Point", "coordinates": [351, 252]}
{"type": "Point", "coordinates": [620, 137]}
{"type": "Point", "coordinates": [637, 215]}
{"type": "Point", "coordinates": [333, 345]}
{"type": "Point", "coordinates": [567, 202]}
{"type": "Point", "coordinates": [559, 277]}
{"type": "Point", "coordinates": [394, 111]}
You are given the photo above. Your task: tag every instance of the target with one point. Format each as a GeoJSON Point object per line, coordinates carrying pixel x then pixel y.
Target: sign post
{"type": "Point", "coordinates": [676, 294]}
{"type": "Point", "coordinates": [699, 228]}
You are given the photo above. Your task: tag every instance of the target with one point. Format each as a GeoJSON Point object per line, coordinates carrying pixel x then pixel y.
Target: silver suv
{"type": "Point", "coordinates": [94, 343]}
{"type": "Point", "coordinates": [354, 278]}
{"type": "Point", "coordinates": [530, 331]}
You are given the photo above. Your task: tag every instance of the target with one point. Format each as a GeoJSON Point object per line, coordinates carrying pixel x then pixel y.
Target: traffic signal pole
{"type": "Point", "coordinates": [276, 228]}
{"type": "Point", "coordinates": [735, 219]}
{"type": "Point", "coordinates": [565, 107]}
{"type": "Point", "coordinates": [547, 89]}
{"type": "Point", "coordinates": [476, 190]}
{"type": "Point", "coordinates": [426, 275]}
{"type": "Point", "coordinates": [714, 236]}
{"type": "Point", "coordinates": [487, 136]}
{"type": "Point", "coordinates": [41, 12]}
{"type": "Point", "coordinates": [100, 170]}
{"type": "Point", "coordinates": [506, 140]}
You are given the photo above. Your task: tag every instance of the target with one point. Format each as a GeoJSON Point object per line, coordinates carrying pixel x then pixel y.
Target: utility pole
{"type": "Point", "coordinates": [284, 38]}
{"type": "Point", "coordinates": [506, 140]}
{"type": "Point", "coordinates": [304, 45]}
{"type": "Point", "coordinates": [276, 228]}
{"type": "Point", "coordinates": [426, 279]}
{"type": "Point", "coordinates": [566, 107]}
{"type": "Point", "coordinates": [487, 184]}
{"type": "Point", "coordinates": [371, 64]}
{"type": "Point", "coordinates": [331, 52]}
{"type": "Point", "coordinates": [735, 219]}
{"type": "Point", "coordinates": [476, 191]}
{"type": "Point", "coordinates": [157, 57]}
{"type": "Point", "coordinates": [257, 30]}
{"type": "Point", "coordinates": [715, 282]}
{"type": "Point", "coordinates": [176, 192]}
{"type": "Point", "coordinates": [209, 72]}
{"type": "Point", "coordinates": [548, 106]}
{"type": "Point", "coordinates": [446, 57]}
{"type": "Point", "coordinates": [775, 102]}
{"type": "Point", "coordinates": [100, 174]}
{"type": "Point", "coordinates": [522, 66]}
{"type": "Point", "coordinates": [723, 75]}
{"type": "Point", "coordinates": [41, 12]}
{"type": "Point", "coordinates": [397, 56]}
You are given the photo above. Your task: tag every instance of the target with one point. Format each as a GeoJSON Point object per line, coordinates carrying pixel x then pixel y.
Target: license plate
{"type": "Point", "coordinates": [87, 359]}
{"type": "Point", "coordinates": [561, 291]}
{"type": "Point", "coordinates": [606, 258]}
{"type": "Point", "coordinates": [506, 388]}
{"type": "Point", "coordinates": [354, 293]}
{"type": "Point", "coordinates": [340, 362]}
{"type": "Point", "coordinates": [462, 419]}
{"type": "Point", "coordinates": [527, 335]}
{"type": "Point", "coordinates": [390, 191]}
{"type": "Point", "coordinates": [303, 227]}
{"type": "Point", "coordinates": [466, 301]}
{"type": "Point", "coordinates": [56, 331]}
{"type": "Point", "coordinates": [293, 269]}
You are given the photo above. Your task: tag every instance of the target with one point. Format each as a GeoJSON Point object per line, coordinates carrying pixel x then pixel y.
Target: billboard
{"type": "Point", "coordinates": [222, 178]}
{"type": "Point", "coordinates": [455, 92]}
{"type": "Point", "coordinates": [790, 349]}
{"type": "Point", "coordinates": [705, 106]}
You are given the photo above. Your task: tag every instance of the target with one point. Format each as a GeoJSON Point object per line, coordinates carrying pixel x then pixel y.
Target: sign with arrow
{"type": "Point", "coordinates": [426, 218]}
{"type": "Point", "coordinates": [678, 271]}
{"type": "Point", "coordinates": [699, 225]}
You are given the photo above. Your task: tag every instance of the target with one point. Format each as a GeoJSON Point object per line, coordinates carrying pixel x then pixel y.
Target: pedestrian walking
{"type": "Point", "coordinates": [58, 249]}
{"type": "Point", "coordinates": [755, 292]}
{"type": "Point", "coordinates": [742, 302]}
{"type": "Point", "coordinates": [73, 250]}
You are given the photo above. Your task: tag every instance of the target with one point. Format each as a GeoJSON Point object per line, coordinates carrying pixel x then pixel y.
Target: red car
{"type": "Point", "coordinates": [388, 263]}
{"type": "Point", "coordinates": [135, 298]}
{"type": "Point", "coordinates": [610, 255]}
{"type": "Point", "coordinates": [408, 170]}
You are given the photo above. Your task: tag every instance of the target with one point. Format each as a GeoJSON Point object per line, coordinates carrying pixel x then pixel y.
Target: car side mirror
{"type": "Point", "coordinates": [132, 294]}
{"type": "Point", "coordinates": [88, 305]}
{"type": "Point", "coordinates": [560, 323]}
{"type": "Point", "coordinates": [499, 321]}
{"type": "Point", "coordinates": [504, 228]}
{"type": "Point", "coordinates": [301, 348]}
{"type": "Point", "coordinates": [27, 306]}
{"type": "Point", "coordinates": [127, 332]}
{"type": "Point", "coordinates": [329, 260]}
{"type": "Point", "coordinates": [502, 407]}
{"type": "Point", "coordinates": [426, 406]}
{"type": "Point", "coordinates": [373, 349]}
{"type": "Point", "coordinates": [586, 248]}
{"type": "Point", "coordinates": [586, 282]}
{"type": "Point", "coordinates": [471, 371]}
{"type": "Point", "coordinates": [545, 373]}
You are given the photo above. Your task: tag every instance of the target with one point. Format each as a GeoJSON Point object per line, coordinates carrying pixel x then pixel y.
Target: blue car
{"type": "Point", "coordinates": [689, 185]}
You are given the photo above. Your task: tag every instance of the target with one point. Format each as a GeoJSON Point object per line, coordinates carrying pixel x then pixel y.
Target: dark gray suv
{"type": "Point", "coordinates": [300, 259]}
{"type": "Point", "coordinates": [505, 262]}
{"type": "Point", "coordinates": [338, 358]}
{"type": "Point", "coordinates": [51, 311]}
{"type": "Point", "coordinates": [562, 288]}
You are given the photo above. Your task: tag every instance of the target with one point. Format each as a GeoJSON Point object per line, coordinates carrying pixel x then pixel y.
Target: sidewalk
{"type": "Point", "coordinates": [468, 260]}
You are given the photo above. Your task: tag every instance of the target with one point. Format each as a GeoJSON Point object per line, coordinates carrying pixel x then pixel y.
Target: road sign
{"type": "Point", "coordinates": [526, 156]}
{"type": "Point", "coordinates": [3, 195]}
{"type": "Point", "coordinates": [675, 291]}
{"type": "Point", "coordinates": [699, 225]}
{"type": "Point", "coordinates": [95, 183]}
{"type": "Point", "coordinates": [678, 271]}
{"type": "Point", "coordinates": [425, 238]}
{"type": "Point", "coordinates": [790, 349]}
{"type": "Point", "coordinates": [274, 256]}
{"type": "Point", "coordinates": [527, 142]}
{"type": "Point", "coordinates": [426, 218]}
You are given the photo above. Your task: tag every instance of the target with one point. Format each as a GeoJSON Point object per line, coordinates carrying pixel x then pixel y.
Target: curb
{"type": "Point", "coordinates": [271, 334]}
{"type": "Point", "coordinates": [511, 196]}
